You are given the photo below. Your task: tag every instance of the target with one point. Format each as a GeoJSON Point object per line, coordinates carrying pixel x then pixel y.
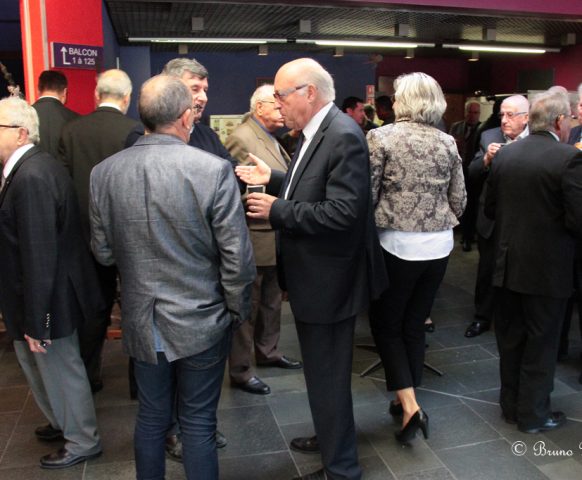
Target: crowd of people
{"type": "Point", "coordinates": [204, 240]}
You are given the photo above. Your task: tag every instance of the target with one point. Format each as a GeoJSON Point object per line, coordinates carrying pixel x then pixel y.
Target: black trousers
{"type": "Point", "coordinates": [92, 335]}
{"type": "Point", "coordinates": [484, 291]}
{"type": "Point", "coordinates": [327, 364]}
{"type": "Point", "coordinates": [397, 317]}
{"type": "Point", "coordinates": [527, 328]}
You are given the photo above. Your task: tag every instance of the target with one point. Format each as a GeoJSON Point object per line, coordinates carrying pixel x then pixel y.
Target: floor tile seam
{"type": "Point", "coordinates": [439, 365]}
{"type": "Point", "coordinates": [458, 396]}
{"type": "Point", "coordinates": [472, 444]}
{"type": "Point", "coordinates": [8, 441]}
{"type": "Point", "coordinates": [288, 449]}
{"type": "Point", "coordinates": [231, 457]}
{"type": "Point", "coordinates": [417, 472]}
{"type": "Point", "coordinates": [375, 449]}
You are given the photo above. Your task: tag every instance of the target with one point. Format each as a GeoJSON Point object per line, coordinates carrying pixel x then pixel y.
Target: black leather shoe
{"type": "Point", "coordinates": [395, 409]}
{"type": "Point", "coordinates": [476, 328]}
{"type": "Point", "coordinates": [283, 362]}
{"type": "Point", "coordinates": [555, 420]}
{"type": "Point", "coordinates": [305, 444]}
{"type": "Point", "coordinates": [220, 440]}
{"type": "Point", "coordinates": [63, 459]}
{"type": "Point", "coordinates": [466, 246]}
{"type": "Point", "coordinates": [419, 421]}
{"type": "Point", "coordinates": [319, 475]}
{"type": "Point", "coordinates": [48, 433]}
{"type": "Point", "coordinates": [253, 385]}
{"type": "Point", "coordinates": [429, 327]}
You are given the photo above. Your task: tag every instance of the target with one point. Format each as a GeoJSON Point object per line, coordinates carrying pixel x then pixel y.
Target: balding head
{"type": "Point", "coordinates": [514, 115]}
{"type": "Point", "coordinates": [114, 86]}
{"type": "Point", "coordinates": [302, 88]}
{"type": "Point", "coordinates": [165, 106]}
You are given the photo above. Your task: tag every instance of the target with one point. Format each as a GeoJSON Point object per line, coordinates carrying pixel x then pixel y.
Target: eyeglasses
{"type": "Point", "coordinates": [279, 95]}
{"type": "Point", "coordinates": [10, 126]}
{"type": "Point", "coordinates": [510, 115]}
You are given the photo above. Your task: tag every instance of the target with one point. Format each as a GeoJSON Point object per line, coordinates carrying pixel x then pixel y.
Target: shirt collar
{"type": "Point", "coordinates": [49, 96]}
{"type": "Point", "coordinates": [110, 105]}
{"type": "Point", "coordinates": [555, 136]}
{"type": "Point", "coordinates": [523, 134]}
{"type": "Point", "coordinates": [16, 155]}
{"type": "Point", "coordinates": [313, 125]}
{"type": "Point", "coordinates": [262, 126]}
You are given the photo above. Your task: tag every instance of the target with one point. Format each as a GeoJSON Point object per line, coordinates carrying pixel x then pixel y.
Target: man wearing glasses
{"type": "Point", "coordinates": [328, 249]}
{"type": "Point", "coordinates": [514, 117]}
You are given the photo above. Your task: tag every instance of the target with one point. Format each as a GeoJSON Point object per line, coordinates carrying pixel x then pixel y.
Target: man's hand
{"type": "Point", "coordinates": [259, 205]}
{"type": "Point", "coordinates": [37, 346]}
{"type": "Point", "coordinates": [257, 174]}
{"type": "Point", "coordinates": [491, 151]}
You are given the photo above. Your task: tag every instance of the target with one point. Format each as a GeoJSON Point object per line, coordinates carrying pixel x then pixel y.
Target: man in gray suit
{"type": "Point", "coordinates": [170, 217]}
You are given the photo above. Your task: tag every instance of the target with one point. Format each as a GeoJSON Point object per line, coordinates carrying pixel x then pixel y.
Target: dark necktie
{"type": "Point", "coordinates": [292, 165]}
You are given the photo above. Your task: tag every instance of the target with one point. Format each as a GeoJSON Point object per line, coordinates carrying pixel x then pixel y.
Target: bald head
{"type": "Point", "coordinates": [163, 102]}
{"type": "Point", "coordinates": [302, 88]}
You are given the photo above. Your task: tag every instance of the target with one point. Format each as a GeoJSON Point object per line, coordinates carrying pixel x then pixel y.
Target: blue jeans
{"type": "Point", "coordinates": [197, 380]}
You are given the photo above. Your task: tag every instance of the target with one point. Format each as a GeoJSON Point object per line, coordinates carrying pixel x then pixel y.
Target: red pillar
{"type": "Point", "coordinates": [76, 22]}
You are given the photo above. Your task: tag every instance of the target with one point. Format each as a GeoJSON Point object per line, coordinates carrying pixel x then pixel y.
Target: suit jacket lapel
{"type": "Point", "coordinates": [317, 138]}
{"type": "Point", "coordinates": [268, 143]}
{"type": "Point", "coordinates": [26, 156]}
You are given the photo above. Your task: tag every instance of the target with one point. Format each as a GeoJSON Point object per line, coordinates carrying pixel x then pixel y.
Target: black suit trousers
{"type": "Point", "coordinates": [527, 328]}
{"type": "Point", "coordinates": [397, 317]}
{"type": "Point", "coordinates": [327, 364]}
{"type": "Point", "coordinates": [484, 290]}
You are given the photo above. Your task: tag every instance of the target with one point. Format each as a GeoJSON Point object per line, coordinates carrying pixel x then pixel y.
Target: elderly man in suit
{"type": "Point", "coordinates": [186, 265]}
{"type": "Point", "coordinates": [464, 133]}
{"type": "Point", "coordinates": [514, 117]}
{"type": "Point", "coordinates": [329, 257]}
{"type": "Point", "coordinates": [257, 136]}
{"type": "Point", "coordinates": [52, 113]}
{"type": "Point", "coordinates": [576, 132]}
{"type": "Point", "coordinates": [534, 195]}
{"type": "Point", "coordinates": [48, 285]}
{"type": "Point", "coordinates": [85, 142]}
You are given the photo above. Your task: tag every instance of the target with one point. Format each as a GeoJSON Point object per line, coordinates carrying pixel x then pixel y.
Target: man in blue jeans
{"type": "Point", "coordinates": [170, 217]}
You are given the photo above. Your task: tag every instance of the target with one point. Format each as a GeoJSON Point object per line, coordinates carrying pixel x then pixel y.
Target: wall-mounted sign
{"type": "Point", "coordinates": [66, 55]}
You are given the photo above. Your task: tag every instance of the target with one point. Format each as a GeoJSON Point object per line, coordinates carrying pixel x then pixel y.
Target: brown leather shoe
{"type": "Point", "coordinates": [305, 444]}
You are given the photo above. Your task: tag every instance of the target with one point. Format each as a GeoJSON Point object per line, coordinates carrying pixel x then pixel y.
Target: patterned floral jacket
{"type": "Point", "coordinates": [417, 178]}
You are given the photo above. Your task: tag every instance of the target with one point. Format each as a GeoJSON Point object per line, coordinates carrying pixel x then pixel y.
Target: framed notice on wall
{"type": "Point", "coordinates": [223, 125]}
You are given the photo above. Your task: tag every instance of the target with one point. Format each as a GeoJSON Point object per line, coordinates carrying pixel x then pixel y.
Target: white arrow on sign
{"type": "Point", "coordinates": [64, 52]}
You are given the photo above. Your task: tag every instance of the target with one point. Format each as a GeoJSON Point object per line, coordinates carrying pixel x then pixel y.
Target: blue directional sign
{"type": "Point", "coordinates": [66, 55]}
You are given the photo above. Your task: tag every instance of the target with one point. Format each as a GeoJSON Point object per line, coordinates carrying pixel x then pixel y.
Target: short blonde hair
{"type": "Point", "coordinates": [419, 97]}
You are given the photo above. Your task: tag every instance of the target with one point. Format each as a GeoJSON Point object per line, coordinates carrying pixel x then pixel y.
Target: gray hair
{"type": "Point", "coordinates": [313, 73]}
{"type": "Point", "coordinates": [419, 97]}
{"type": "Point", "coordinates": [545, 109]}
{"type": "Point", "coordinates": [113, 83]}
{"type": "Point", "coordinates": [580, 90]}
{"type": "Point", "coordinates": [21, 114]}
{"type": "Point", "coordinates": [178, 66]}
{"type": "Point", "coordinates": [162, 100]}
{"type": "Point", "coordinates": [264, 92]}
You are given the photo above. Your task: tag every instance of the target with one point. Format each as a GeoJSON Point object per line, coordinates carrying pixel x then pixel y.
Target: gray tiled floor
{"type": "Point", "coordinates": [468, 439]}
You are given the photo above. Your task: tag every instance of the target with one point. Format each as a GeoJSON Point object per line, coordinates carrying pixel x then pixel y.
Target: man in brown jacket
{"type": "Point", "coordinates": [256, 136]}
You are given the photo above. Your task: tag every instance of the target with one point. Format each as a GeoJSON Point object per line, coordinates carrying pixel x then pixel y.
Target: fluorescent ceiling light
{"type": "Point", "coordinates": [251, 41]}
{"type": "Point", "coordinates": [500, 49]}
{"type": "Point", "coordinates": [361, 43]}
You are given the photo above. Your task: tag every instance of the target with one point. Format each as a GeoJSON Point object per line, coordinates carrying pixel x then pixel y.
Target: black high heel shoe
{"type": "Point", "coordinates": [395, 409]}
{"type": "Point", "coordinates": [418, 421]}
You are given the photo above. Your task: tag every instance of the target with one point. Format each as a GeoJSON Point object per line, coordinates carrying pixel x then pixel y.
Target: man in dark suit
{"type": "Point", "coordinates": [85, 142]}
{"type": "Point", "coordinates": [535, 197]}
{"type": "Point", "coordinates": [48, 286]}
{"type": "Point", "coordinates": [464, 134]}
{"type": "Point", "coordinates": [328, 250]}
{"type": "Point", "coordinates": [256, 135]}
{"type": "Point", "coordinates": [514, 117]}
{"type": "Point", "coordinates": [52, 113]}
